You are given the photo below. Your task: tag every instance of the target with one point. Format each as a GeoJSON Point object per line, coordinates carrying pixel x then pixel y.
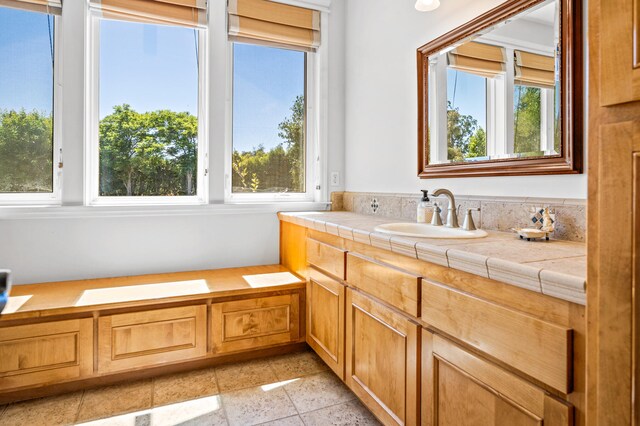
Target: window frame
{"type": "Point", "coordinates": [55, 196]}
{"type": "Point", "coordinates": [92, 120]}
{"type": "Point", "coordinates": [311, 138]}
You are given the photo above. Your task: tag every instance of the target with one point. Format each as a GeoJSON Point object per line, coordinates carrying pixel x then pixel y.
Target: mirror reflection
{"type": "Point", "coordinates": [496, 94]}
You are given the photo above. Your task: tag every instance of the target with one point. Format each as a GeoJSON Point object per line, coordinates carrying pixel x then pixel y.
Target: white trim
{"type": "Point", "coordinates": [320, 5]}
{"type": "Point", "coordinates": [55, 196]}
{"type": "Point", "coordinates": [72, 212]}
{"type": "Point", "coordinates": [92, 101]}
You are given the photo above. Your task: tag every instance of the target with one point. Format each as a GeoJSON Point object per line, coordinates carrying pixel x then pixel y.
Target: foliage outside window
{"type": "Point", "coordinates": [148, 125]}
{"type": "Point", "coordinates": [26, 102]}
{"type": "Point", "coordinates": [527, 119]}
{"type": "Point", "coordinates": [268, 120]}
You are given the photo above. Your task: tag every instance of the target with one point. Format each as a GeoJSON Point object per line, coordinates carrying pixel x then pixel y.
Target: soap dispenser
{"type": "Point", "coordinates": [423, 207]}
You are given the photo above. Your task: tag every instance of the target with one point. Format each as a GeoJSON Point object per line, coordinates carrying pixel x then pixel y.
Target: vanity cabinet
{"type": "Point", "coordinates": [326, 319]}
{"type": "Point", "coordinates": [460, 388]}
{"type": "Point", "coordinates": [382, 359]}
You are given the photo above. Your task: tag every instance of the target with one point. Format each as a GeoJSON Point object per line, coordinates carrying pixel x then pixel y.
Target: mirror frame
{"type": "Point", "coordinates": [570, 160]}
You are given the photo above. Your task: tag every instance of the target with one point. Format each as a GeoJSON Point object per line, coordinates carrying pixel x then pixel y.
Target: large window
{"type": "Point", "coordinates": [26, 105]}
{"type": "Point", "coordinates": [148, 131]}
{"type": "Point", "coordinates": [269, 120]}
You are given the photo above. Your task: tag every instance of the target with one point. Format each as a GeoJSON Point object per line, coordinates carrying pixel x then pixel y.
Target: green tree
{"type": "Point", "coordinates": [26, 151]}
{"type": "Point", "coordinates": [527, 119]}
{"type": "Point", "coordinates": [153, 153]}
{"type": "Point", "coordinates": [460, 129]}
{"type": "Point", "coordinates": [279, 169]}
{"type": "Point", "coordinates": [478, 144]}
{"type": "Point", "coordinates": [292, 132]}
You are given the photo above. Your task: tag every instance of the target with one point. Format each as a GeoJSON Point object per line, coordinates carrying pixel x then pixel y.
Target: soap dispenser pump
{"type": "Point", "coordinates": [423, 207]}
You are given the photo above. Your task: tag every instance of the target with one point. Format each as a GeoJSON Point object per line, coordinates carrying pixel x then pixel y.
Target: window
{"type": "Point", "coordinates": [28, 149]}
{"type": "Point", "coordinates": [147, 136]}
{"type": "Point", "coordinates": [527, 119]}
{"type": "Point", "coordinates": [269, 120]}
{"type": "Point", "coordinates": [466, 115]}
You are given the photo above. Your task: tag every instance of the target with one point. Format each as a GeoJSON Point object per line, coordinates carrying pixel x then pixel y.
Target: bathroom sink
{"type": "Point", "coordinates": [425, 230]}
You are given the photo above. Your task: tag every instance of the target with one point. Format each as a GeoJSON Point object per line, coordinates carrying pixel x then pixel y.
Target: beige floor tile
{"type": "Point", "coordinates": [349, 414]}
{"type": "Point", "coordinates": [114, 400]}
{"type": "Point", "coordinates": [56, 410]}
{"type": "Point", "coordinates": [289, 421]}
{"type": "Point", "coordinates": [184, 386]}
{"type": "Point", "coordinates": [244, 375]}
{"type": "Point", "coordinates": [297, 364]}
{"type": "Point", "coordinates": [202, 411]}
{"type": "Point", "coordinates": [256, 405]}
{"type": "Point", "coordinates": [317, 391]}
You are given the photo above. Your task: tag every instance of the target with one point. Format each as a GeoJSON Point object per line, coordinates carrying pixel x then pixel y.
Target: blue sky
{"type": "Point", "coordinates": [470, 95]}
{"type": "Point", "coordinates": [26, 77]}
{"type": "Point", "coordinates": [152, 67]}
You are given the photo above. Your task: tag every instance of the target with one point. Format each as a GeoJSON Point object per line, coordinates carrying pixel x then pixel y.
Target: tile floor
{"type": "Point", "coordinates": [293, 389]}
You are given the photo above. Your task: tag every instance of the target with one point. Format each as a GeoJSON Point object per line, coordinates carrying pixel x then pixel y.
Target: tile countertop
{"type": "Point", "coordinates": [555, 268]}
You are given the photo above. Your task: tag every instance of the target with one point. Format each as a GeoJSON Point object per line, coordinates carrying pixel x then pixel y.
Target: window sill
{"type": "Point", "coordinates": [71, 212]}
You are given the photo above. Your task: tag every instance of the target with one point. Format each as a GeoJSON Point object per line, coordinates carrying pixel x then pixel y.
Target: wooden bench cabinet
{"type": "Point", "coordinates": [460, 388]}
{"type": "Point", "coordinates": [383, 359]}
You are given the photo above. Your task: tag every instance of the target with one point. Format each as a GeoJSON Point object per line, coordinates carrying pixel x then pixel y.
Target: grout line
{"type": "Point", "coordinates": [224, 410]}
{"type": "Point", "coordinates": [75, 420]}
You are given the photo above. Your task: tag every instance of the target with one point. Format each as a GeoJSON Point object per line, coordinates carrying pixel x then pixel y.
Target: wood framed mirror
{"type": "Point", "coordinates": [503, 94]}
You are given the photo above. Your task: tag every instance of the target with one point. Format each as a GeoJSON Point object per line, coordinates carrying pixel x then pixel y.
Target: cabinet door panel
{"type": "Point", "coordinates": [45, 353]}
{"type": "Point", "coordinates": [620, 52]}
{"type": "Point", "coordinates": [459, 388]}
{"type": "Point", "coordinates": [146, 338]}
{"type": "Point", "coordinates": [382, 355]}
{"type": "Point", "coordinates": [325, 320]}
{"type": "Point", "coordinates": [253, 323]}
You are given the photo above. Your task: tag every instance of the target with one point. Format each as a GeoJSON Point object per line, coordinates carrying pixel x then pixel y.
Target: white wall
{"type": "Point", "coordinates": [78, 242]}
{"type": "Point", "coordinates": [381, 102]}
{"type": "Point", "coordinates": [54, 249]}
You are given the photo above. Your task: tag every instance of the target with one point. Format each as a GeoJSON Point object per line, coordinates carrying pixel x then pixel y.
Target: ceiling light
{"type": "Point", "coordinates": [427, 5]}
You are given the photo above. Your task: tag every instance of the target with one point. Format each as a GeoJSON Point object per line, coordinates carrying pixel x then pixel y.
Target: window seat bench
{"type": "Point", "coordinates": [66, 335]}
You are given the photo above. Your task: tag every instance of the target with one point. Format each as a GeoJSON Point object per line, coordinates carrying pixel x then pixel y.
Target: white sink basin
{"type": "Point", "coordinates": [425, 230]}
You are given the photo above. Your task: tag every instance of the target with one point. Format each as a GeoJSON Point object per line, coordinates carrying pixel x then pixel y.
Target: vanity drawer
{"type": "Point", "coordinates": [538, 348]}
{"type": "Point", "coordinates": [146, 338]}
{"type": "Point", "coordinates": [394, 286]}
{"type": "Point", "coordinates": [326, 257]}
{"type": "Point", "coordinates": [40, 354]}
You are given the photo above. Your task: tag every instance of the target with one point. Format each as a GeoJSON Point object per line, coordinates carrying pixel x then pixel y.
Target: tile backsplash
{"type": "Point", "coordinates": [496, 213]}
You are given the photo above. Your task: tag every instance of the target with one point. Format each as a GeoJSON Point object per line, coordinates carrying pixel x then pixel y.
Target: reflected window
{"type": "Point", "coordinates": [466, 115]}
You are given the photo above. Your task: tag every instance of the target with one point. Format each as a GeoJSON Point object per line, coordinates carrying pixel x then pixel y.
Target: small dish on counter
{"type": "Point", "coordinates": [531, 233]}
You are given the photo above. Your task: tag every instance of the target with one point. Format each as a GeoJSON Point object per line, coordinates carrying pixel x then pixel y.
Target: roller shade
{"type": "Point", "coordinates": [478, 58]}
{"type": "Point", "coordinates": [52, 7]}
{"type": "Point", "coordinates": [276, 24]}
{"type": "Point", "coordinates": [532, 69]}
{"type": "Point", "coordinates": [186, 13]}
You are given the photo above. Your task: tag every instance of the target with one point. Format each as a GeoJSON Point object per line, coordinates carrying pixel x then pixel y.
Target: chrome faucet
{"type": "Point", "coordinates": [452, 215]}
